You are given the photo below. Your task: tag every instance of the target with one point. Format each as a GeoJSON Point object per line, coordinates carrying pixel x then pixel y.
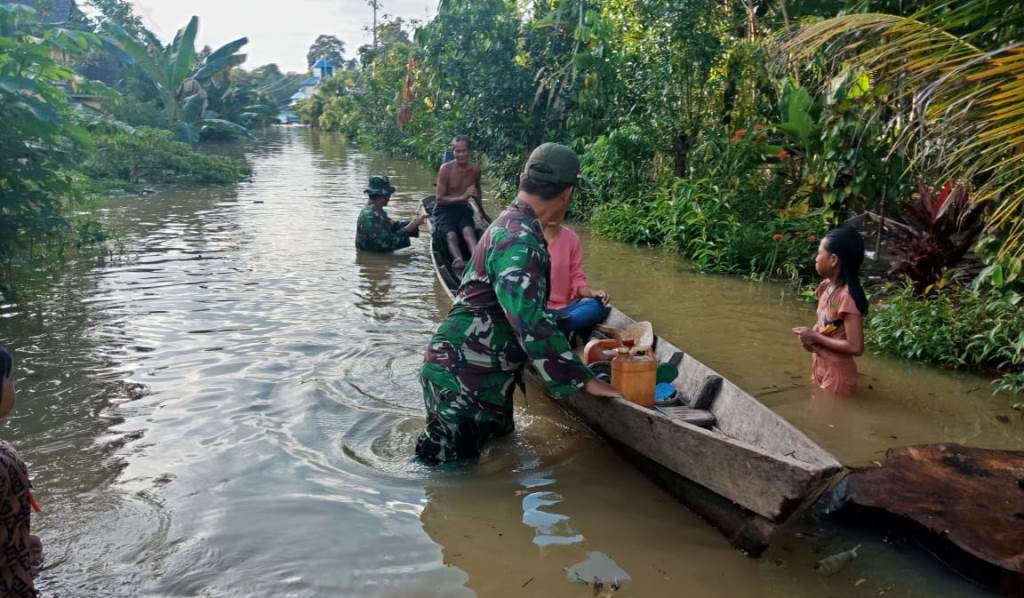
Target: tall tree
{"type": "Point", "coordinates": [391, 31]}
{"type": "Point", "coordinates": [375, 5]}
{"type": "Point", "coordinates": [120, 13]}
{"type": "Point", "coordinates": [326, 46]}
{"type": "Point", "coordinates": [268, 79]}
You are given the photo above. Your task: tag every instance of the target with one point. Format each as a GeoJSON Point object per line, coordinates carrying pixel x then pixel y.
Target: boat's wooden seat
{"type": "Point", "coordinates": [696, 417]}
{"type": "Point", "coordinates": [706, 392]}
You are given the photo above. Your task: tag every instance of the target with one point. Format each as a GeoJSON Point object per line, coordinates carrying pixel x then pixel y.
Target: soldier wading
{"type": "Point", "coordinates": [374, 230]}
{"type": "Point", "coordinates": [498, 322]}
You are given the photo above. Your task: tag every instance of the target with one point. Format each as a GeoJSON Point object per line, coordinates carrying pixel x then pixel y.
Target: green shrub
{"type": "Point", "coordinates": [339, 115]}
{"type": "Point", "coordinates": [957, 327]}
{"type": "Point", "coordinates": [701, 221]}
{"type": "Point", "coordinates": [146, 155]}
{"type": "Point", "coordinates": [615, 166]}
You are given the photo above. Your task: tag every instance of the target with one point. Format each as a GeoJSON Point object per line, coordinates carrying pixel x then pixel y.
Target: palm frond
{"type": "Point", "coordinates": [961, 108]}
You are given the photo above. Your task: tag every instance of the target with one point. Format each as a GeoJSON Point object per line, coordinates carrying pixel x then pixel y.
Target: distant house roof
{"type": "Point", "coordinates": [50, 11]}
{"type": "Point", "coordinates": [323, 62]}
{"type": "Point", "coordinates": [311, 81]}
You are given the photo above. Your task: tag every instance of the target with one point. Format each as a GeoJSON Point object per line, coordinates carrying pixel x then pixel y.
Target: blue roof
{"type": "Point", "coordinates": [310, 81]}
{"type": "Point", "coordinates": [322, 62]}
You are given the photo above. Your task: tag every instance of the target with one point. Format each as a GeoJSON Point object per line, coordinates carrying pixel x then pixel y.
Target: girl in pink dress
{"type": "Point", "coordinates": [838, 335]}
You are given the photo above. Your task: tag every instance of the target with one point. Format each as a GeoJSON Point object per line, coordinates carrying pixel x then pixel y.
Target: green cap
{"type": "Point", "coordinates": [553, 163]}
{"type": "Point", "coordinates": [379, 185]}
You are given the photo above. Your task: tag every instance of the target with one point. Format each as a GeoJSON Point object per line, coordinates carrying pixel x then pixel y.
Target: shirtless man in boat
{"type": "Point", "coordinates": [458, 181]}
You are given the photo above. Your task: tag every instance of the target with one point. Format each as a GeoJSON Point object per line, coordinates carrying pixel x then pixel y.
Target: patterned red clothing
{"type": "Point", "coordinates": [836, 372]}
{"type": "Point", "coordinates": [15, 513]}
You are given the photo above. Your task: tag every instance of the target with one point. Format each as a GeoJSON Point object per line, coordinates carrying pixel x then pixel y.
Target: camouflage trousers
{"type": "Point", "coordinates": [459, 424]}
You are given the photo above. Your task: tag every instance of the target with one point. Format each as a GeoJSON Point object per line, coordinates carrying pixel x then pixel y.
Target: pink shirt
{"type": "Point", "coordinates": [567, 276]}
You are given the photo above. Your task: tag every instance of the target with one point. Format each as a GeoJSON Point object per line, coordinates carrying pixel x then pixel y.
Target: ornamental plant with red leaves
{"type": "Point", "coordinates": [942, 226]}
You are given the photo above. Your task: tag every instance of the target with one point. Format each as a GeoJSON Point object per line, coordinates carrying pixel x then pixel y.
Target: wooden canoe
{"type": "Point", "coordinates": [747, 474]}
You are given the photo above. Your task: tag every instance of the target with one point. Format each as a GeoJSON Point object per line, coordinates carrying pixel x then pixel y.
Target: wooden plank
{"type": "Point", "coordinates": [694, 417]}
{"type": "Point", "coordinates": [965, 504]}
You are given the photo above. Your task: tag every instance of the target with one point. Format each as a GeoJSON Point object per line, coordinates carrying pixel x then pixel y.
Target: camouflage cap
{"type": "Point", "coordinates": [379, 185]}
{"type": "Point", "coordinates": [553, 163]}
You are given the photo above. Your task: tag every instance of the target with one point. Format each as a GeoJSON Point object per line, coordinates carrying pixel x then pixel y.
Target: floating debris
{"type": "Point", "coordinates": [836, 563]}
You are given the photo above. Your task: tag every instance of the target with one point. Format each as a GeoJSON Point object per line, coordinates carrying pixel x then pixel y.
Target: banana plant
{"type": "Point", "coordinates": [179, 75]}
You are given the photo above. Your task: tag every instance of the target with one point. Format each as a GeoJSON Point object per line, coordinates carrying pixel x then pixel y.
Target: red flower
{"type": "Point", "coordinates": [782, 155]}
{"type": "Point", "coordinates": [758, 127]}
{"type": "Point", "coordinates": [741, 133]}
{"type": "Point", "coordinates": [777, 236]}
{"type": "Point", "coordinates": [812, 237]}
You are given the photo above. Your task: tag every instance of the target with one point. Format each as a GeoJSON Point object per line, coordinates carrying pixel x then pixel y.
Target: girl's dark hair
{"type": "Point", "coordinates": [6, 363]}
{"type": "Point", "coordinates": [847, 244]}
{"type": "Point", "coordinates": [6, 367]}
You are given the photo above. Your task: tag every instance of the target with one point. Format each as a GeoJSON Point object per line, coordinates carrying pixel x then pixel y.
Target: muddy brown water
{"type": "Point", "coordinates": [226, 404]}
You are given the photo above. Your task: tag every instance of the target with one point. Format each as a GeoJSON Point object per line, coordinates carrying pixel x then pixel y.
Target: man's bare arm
{"type": "Point", "coordinates": [444, 195]}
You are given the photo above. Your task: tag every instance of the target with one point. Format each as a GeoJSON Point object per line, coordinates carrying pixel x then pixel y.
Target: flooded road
{"type": "Point", "coordinates": [226, 406]}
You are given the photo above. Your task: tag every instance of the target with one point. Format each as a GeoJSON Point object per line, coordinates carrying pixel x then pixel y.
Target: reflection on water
{"type": "Point", "coordinates": [552, 528]}
{"type": "Point", "coordinates": [229, 407]}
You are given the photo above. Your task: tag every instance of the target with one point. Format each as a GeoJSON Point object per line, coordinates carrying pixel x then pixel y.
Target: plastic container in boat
{"type": "Point", "coordinates": [603, 349]}
{"type": "Point", "coordinates": [634, 374]}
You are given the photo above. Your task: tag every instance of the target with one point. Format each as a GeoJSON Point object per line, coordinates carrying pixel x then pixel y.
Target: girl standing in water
{"type": "Point", "coordinates": [838, 335]}
{"type": "Point", "coordinates": [19, 550]}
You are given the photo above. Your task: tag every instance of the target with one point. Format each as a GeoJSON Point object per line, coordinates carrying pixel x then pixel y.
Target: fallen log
{"type": "Point", "coordinates": [964, 504]}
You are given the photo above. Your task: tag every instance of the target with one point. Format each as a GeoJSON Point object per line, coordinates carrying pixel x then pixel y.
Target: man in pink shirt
{"type": "Point", "coordinates": [574, 303]}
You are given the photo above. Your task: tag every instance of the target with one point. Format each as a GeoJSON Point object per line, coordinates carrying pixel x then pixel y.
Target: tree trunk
{"type": "Point", "coordinates": [681, 145]}
{"type": "Point", "coordinates": [964, 504]}
{"type": "Point", "coordinates": [785, 14]}
{"type": "Point", "coordinates": [729, 94]}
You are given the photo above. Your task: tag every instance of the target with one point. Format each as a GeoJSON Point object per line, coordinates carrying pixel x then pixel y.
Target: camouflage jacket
{"type": "Point", "coordinates": [376, 232]}
{"type": "Point", "coordinates": [498, 322]}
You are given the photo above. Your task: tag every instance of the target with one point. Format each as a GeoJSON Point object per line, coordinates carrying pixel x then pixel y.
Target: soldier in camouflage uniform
{"type": "Point", "coordinates": [498, 322]}
{"type": "Point", "coordinates": [374, 230]}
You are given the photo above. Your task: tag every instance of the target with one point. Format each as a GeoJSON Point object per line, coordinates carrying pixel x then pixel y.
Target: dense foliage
{"type": "Point", "coordinates": [54, 158]}
{"type": "Point", "coordinates": [38, 139]}
{"type": "Point", "coordinates": [958, 327]}
{"type": "Point", "coordinates": [127, 156]}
